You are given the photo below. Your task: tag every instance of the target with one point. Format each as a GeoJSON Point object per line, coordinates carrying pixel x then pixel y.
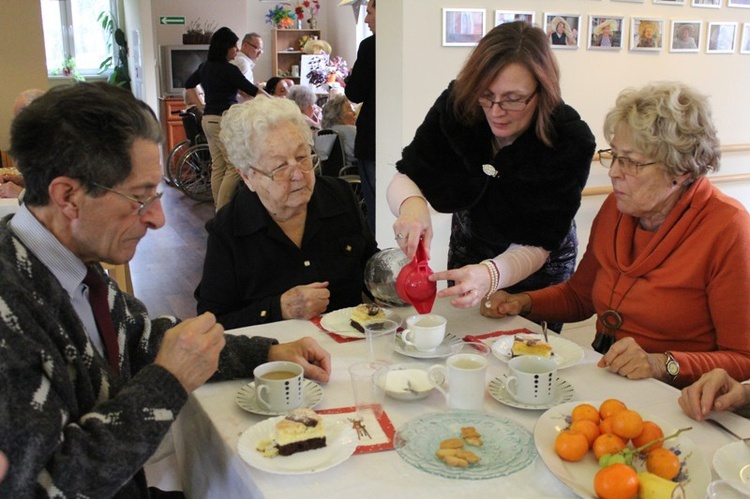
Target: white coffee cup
{"type": "Point", "coordinates": [466, 375]}
{"type": "Point", "coordinates": [278, 385]}
{"type": "Point", "coordinates": [532, 380]}
{"type": "Point", "coordinates": [425, 332]}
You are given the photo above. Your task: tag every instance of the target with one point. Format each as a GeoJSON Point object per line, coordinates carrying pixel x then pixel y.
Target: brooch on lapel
{"type": "Point", "coordinates": [490, 170]}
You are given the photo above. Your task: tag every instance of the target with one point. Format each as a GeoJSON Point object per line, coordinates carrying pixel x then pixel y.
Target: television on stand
{"type": "Point", "coordinates": [179, 62]}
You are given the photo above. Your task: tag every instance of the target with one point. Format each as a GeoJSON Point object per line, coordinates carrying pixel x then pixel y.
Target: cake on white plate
{"type": "Point", "coordinates": [365, 313]}
{"type": "Point", "coordinates": [300, 430]}
{"type": "Point", "coordinates": [527, 344]}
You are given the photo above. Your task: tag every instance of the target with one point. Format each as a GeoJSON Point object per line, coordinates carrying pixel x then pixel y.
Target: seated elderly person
{"type": "Point", "coordinates": [339, 116]}
{"type": "Point", "coordinates": [666, 270]}
{"type": "Point", "coordinates": [714, 391]}
{"type": "Point", "coordinates": [278, 87]}
{"type": "Point", "coordinates": [305, 98]}
{"type": "Point", "coordinates": [291, 245]}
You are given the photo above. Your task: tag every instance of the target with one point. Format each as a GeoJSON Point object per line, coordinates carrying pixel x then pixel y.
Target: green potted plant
{"type": "Point", "coordinates": [117, 63]}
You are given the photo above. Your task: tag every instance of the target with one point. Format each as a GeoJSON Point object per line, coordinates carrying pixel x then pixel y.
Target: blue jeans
{"type": "Point", "coordinates": [367, 177]}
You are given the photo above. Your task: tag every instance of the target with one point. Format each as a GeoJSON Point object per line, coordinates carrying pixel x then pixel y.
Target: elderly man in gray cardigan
{"type": "Point", "coordinates": [84, 404]}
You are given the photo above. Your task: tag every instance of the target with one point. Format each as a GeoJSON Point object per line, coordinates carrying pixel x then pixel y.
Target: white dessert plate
{"type": "Point", "coordinates": [732, 462]}
{"type": "Point", "coordinates": [408, 382]}
{"type": "Point", "coordinates": [564, 394]}
{"type": "Point", "coordinates": [446, 348]}
{"type": "Point", "coordinates": [508, 446]}
{"type": "Point", "coordinates": [341, 442]}
{"type": "Point", "coordinates": [695, 475]}
{"type": "Point", "coordinates": [338, 322]}
{"type": "Point", "coordinates": [565, 352]}
{"type": "Point", "coordinates": [312, 393]}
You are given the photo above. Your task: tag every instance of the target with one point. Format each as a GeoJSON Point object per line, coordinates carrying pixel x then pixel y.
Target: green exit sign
{"type": "Point", "coordinates": [171, 19]}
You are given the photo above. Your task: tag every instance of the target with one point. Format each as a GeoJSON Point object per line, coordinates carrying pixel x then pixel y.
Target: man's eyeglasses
{"type": "Point", "coordinates": [285, 172]}
{"type": "Point", "coordinates": [259, 49]}
{"type": "Point", "coordinates": [627, 165]}
{"type": "Point", "coordinates": [142, 204]}
{"type": "Point", "coordinates": [507, 105]}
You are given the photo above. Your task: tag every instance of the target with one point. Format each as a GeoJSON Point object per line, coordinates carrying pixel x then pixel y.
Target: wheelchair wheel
{"type": "Point", "coordinates": [356, 184]}
{"type": "Point", "coordinates": [173, 162]}
{"type": "Point", "coordinates": [194, 173]}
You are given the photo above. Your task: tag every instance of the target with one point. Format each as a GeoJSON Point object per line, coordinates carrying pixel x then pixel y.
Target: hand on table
{"type": "Point", "coordinates": [503, 304]}
{"type": "Point", "coordinates": [714, 391]}
{"type": "Point", "coordinates": [305, 301]}
{"type": "Point", "coordinates": [9, 190]}
{"type": "Point", "coordinates": [471, 284]}
{"type": "Point", "coordinates": [306, 352]}
{"type": "Point", "coordinates": [413, 223]}
{"type": "Point", "coordinates": [190, 350]}
{"type": "Point", "coordinates": [626, 358]}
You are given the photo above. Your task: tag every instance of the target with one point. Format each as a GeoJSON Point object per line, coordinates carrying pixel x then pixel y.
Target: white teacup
{"type": "Point", "coordinates": [466, 374]}
{"type": "Point", "coordinates": [425, 332]}
{"type": "Point", "coordinates": [278, 385]}
{"type": "Point", "coordinates": [532, 380]}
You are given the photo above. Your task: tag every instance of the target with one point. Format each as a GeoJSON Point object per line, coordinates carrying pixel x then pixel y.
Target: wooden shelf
{"type": "Point", "coordinates": [283, 58]}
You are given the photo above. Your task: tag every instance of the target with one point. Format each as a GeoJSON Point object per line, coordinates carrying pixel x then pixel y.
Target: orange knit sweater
{"type": "Point", "coordinates": [684, 288]}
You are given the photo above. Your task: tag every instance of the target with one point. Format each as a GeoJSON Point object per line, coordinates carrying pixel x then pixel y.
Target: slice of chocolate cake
{"type": "Point", "coordinates": [365, 313]}
{"type": "Point", "coordinates": [300, 430]}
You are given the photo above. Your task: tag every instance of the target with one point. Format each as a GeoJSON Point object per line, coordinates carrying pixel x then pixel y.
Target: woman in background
{"type": "Point", "coordinates": [304, 97]}
{"type": "Point", "coordinates": [339, 116]}
{"type": "Point", "coordinates": [220, 81]}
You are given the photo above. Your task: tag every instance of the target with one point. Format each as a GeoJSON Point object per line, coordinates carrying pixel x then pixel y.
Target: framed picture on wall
{"type": "Point", "coordinates": [629, 1]}
{"type": "Point", "coordinates": [646, 34]}
{"type": "Point", "coordinates": [670, 2]}
{"type": "Point", "coordinates": [721, 37]}
{"type": "Point", "coordinates": [709, 4]}
{"type": "Point", "coordinates": [508, 16]}
{"type": "Point", "coordinates": [462, 27]}
{"type": "Point", "coordinates": [745, 45]}
{"type": "Point", "coordinates": [562, 30]}
{"type": "Point", "coordinates": [686, 36]}
{"type": "Point", "coordinates": [605, 32]}
{"type": "Point", "coordinates": [744, 4]}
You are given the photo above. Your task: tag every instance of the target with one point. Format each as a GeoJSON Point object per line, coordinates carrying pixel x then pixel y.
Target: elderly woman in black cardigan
{"type": "Point", "coordinates": [501, 151]}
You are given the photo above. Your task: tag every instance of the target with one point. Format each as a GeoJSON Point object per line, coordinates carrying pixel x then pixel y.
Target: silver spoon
{"type": "Point", "coordinates": [544, 330]}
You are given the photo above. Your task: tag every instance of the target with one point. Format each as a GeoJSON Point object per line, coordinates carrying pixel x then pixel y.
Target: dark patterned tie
{"type": "Point", "coordinates": [100, 307]}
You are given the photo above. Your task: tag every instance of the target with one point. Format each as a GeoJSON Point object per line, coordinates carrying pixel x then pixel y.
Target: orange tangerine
{"type": "Point", "coordinates": [571, 445]}
{"type": "Point", "coordinates": [609, 407]}
{"type": "Point", "coordinates": [606, 426]}
{"type": "Point", "coordinates": [607, 443]}
{"type": "Point", "coordinates": [627, 424]}
{"type": "Point", "coordinates": [589, 429]}
{"type": "Point", "coordinates": [585, 411]}
{"type": "Point", "coordinates": [617, 481]}
{"type": "Point", "coordinates": [663, 462]}
{"type": "Point", "coordinates": [651, 431]}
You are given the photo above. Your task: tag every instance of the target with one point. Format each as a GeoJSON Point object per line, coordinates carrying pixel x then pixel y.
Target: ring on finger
{"type": "Point", "coordinates": [399, 236]}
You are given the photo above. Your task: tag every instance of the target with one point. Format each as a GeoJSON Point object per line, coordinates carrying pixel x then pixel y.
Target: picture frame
{"type": "Point", "coordinates": [669, 2]}
{"type": "Point", "coordinates": [630, 1]}
{"type": "Point", "coordinates": [745, 44]}
{"type": "Point", "coordinates": [646, 34]}
{"type": "Point", "coordinates": [506, 16]}
{"type": "Point", "coordinates": [721, 37]}
{"type": "Point", "coordinates": [707, 4]}
{"type": "Point", "coordinates": [686, 36]}
{"type": "Point", "coordinates": [463, 27]}
{"type": "Point", "coordinates": [563, 30]}
{"type": "Point", "coordinates": [606, 32]}
{"type": "Point", "coordinates": [742, 4]}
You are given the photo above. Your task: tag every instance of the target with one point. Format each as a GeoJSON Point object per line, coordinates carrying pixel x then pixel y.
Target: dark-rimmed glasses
{"type": "Point", "coordinates": [507, 105]}
{"type": "Point", "coordinates": [284, 172]}
{"type": "Point", "coordinates": [259, 49]}
{"type": "Point", "coordinates": [627, 165]}
{"type": "Point", "coordinates": [142, 204]}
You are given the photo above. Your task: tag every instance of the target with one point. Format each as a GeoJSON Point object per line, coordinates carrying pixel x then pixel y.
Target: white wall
{"type": "Point", "coordinates": [413, 68]}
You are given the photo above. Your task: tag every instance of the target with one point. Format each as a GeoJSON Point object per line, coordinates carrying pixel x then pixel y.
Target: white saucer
{"type": "Point", "coordinates": [446, 348]}
{"type": "Point", "coordinates": [732, 462]}
{"type": "Point", "coordinates": [312, 393]}
{"type": "Point", "coordinates": [564, 394]}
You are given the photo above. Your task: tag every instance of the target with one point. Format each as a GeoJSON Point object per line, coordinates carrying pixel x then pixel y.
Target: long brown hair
{"type": "Point", "coordinates": [516, 42]}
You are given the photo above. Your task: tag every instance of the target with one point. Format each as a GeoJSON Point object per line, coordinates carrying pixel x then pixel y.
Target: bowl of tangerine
{"type": "Point", "coordinates": [611, 451]}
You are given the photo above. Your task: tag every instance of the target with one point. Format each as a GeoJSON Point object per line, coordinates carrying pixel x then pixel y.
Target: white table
{"type": "Point", "coordinates": [208, 428]}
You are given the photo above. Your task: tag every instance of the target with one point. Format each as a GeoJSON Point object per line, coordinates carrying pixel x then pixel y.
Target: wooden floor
{"type": "Point", "coordinates": [169, 261]}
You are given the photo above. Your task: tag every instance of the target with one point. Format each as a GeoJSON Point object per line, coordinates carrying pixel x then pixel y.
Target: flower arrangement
{"type": "Point", "coordinates": [280, 16]}
{"type": "Point", "coordinates": [312, 6]}
{"type": "Point", "coordinates": [328, 70]}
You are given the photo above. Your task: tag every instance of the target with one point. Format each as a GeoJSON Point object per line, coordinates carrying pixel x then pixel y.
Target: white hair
{"type": "Point", "coordinates": [244, 128]}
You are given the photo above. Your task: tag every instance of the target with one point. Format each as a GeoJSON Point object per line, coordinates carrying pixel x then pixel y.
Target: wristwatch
{"type": "Point", "coordinates": [673, 367]}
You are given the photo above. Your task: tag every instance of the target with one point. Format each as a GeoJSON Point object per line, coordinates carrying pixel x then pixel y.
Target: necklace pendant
{"type": "Point", "coordinates": [490, 171]}
{"type": "Point", "coordinates": [611, 320]}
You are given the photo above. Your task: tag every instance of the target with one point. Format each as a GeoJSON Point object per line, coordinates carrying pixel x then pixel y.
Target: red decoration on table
{"type": "Point", "coordinates": [337, 337]}
{"type": "Point", "coordinates": [480, 337]}
{"type": "Point", "coordinates": [380, 442]}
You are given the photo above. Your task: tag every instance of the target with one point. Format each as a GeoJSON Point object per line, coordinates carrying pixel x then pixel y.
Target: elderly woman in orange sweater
{"type": "Point", "coordinates": [666, 270]}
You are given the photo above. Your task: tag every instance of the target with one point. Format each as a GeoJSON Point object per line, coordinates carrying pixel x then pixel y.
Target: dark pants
{"type": "Point", "coordinates": [367, 177]}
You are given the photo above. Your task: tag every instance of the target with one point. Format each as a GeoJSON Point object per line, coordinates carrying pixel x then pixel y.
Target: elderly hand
{"type": "Point", "coordinates": [413, 223]}
{"type": "Point", "coordinates": [714, 391]}
{"type": "Point", "coordinates": [9, 190]}
{"type": "Point", "coordinates": [190, 350]}
{"type": "Point", "coordinates": [503, 303]}
{"type": "Point", "coordinates": [626, 358]}
{"type": "Point", "coordinates": [472, 283]}
{"type": "Point", "coordinates": [305, 301]}
{"type": "Point", "coordinates": [306, 352]}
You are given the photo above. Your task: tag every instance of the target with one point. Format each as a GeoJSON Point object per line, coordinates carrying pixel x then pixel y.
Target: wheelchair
{"type": "Point", "coordinates": [188, 165]}
{"type": "Point", "coordinates": [333, 163]}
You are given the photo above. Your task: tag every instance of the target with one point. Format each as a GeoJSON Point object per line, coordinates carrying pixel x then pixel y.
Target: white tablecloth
{"type": "Point", "coordinates": [208, 428]}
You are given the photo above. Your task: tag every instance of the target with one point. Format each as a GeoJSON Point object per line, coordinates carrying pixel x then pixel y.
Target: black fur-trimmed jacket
{"type": "Point", "coordinates": [531, 202]}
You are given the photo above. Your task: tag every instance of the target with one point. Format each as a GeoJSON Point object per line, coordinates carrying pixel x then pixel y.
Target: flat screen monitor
{"type": "Point", "coordinates": [179, 62]}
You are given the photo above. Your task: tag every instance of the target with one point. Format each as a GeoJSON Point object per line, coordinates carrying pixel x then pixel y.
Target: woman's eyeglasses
{"type": "Point", "coordinates": [627, 165]}
{"type": "Point", "coordinates": [284, 172]}
{"type": "Point", "coordinates": [507, 105]}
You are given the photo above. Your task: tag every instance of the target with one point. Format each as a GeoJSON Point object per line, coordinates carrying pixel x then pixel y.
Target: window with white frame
{"type": "Point", "coordinates": [72, 34]}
